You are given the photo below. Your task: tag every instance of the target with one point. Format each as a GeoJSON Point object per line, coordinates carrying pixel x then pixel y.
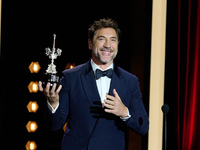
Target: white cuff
{"type": "Point", "coordinates": [128, 116]}
{"type": "Point", "coordinates": [53, 110]}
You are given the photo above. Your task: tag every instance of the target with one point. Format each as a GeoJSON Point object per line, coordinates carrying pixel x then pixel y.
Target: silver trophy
{"type": "Point", "coordinates": [50, 75]}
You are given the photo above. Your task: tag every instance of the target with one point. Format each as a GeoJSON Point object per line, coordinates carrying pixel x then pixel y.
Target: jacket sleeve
{"type": "Point", "coordinates": [58, 119]}
{"type": "Point", "coordinates": [138, 121]}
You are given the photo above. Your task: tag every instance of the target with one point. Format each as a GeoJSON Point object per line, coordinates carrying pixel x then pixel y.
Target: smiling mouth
{"type": "Point", "coordinates": [106, 52]}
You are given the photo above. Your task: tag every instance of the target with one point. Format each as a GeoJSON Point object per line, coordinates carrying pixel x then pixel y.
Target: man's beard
{"type": "Point", "coordinates": [98, 56]}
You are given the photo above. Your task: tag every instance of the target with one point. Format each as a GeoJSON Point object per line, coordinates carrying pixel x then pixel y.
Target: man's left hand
{"type": "Point", "coordinates": [115, 106]}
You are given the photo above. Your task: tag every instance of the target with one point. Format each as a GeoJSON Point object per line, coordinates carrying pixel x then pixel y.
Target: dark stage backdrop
{"type": "Point", "coordinates": [28, 28]}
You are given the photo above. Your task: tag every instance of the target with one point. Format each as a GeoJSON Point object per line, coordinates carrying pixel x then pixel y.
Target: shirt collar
{"type": "Point", "coordinates": [95, 66]}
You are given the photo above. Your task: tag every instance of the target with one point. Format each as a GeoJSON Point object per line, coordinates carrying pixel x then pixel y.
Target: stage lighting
{"type": "Point", "coordinates": [64, 126]}
{"type": "Point", "coordinates": [31, 145]}
{"type": "Point", "coordinates": [31, 126]}
{"type": "Point", "coordinates": [34, 67]}
{"type": "Point", "coordinates": [32, 106]}
{"type": "Point", "coordinates": [33, 87]}
{"type": "Point", "coordinates": [70, 66]}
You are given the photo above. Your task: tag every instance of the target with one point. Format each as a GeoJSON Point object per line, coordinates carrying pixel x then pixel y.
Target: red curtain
{"type": "Point", "coordinates": [188, 119]}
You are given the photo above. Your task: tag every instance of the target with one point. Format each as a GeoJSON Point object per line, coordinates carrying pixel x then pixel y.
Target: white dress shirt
{"type": "Point", "coordinates": [103, 83]}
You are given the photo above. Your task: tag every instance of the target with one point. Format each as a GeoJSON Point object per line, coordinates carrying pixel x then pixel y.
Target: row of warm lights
{"type": "Point", "coordinates": [32, 106]}
{"type": "Point", "coordinates": [34, 67]}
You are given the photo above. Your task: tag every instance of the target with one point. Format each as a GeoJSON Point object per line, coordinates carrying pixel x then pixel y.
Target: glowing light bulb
{"type": "Point", "coordinates": [33, 87]}
{"type": "Point", "coordinates": [34, 67]}
{"type": "Point", "coordinates": [31, 145]}
{"type": "Point", "coordinates": [32, 106]}
{"type": "Point", "coordinates": [70, 66]}
{"type": "Point", "coordinates": [31, 126]}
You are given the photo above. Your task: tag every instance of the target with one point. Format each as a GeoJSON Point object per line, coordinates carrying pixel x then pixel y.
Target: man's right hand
{"type": "Point", "coordinates": [52, 94]}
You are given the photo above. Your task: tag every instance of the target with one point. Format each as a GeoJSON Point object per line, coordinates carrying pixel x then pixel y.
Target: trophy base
{"type": "Point", "coordinates": [51, 78]}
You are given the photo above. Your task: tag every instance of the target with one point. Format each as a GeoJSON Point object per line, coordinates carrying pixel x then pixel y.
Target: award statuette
{"type": "Point", "coordinates": [50, 75]}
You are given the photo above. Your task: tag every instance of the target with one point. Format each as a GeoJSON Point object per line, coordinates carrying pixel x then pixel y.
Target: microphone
{"type": "Point", "coordinates": [165, 110]}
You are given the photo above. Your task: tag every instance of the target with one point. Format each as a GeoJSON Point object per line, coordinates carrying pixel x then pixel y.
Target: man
{"type": "Point", "coordinates": [99, 100]}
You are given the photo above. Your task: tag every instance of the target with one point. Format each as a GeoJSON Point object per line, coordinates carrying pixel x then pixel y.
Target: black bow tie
{"type": "Point", "coordinates": [107, 73]}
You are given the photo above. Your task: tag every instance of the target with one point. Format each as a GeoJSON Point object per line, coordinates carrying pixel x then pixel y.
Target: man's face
{"type": "Point", "coordinates": [104, 46]}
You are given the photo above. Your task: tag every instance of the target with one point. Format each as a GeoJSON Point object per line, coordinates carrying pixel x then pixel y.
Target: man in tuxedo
{"type": "Point", "coordinates": [99, 100]}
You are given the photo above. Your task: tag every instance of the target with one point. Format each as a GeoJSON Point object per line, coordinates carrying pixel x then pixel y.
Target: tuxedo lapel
{"type": "Point", "coordinates": [89, 84]}
{"type": "Point", "coordinates": [116, 82]}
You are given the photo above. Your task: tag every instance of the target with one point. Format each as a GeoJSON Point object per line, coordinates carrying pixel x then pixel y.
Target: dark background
{"type": "Point", "coordinates": [28, 28]}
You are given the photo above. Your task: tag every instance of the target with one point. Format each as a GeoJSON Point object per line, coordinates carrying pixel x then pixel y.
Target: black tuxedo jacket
{"type": "Point", "coordinates": [89, 127]}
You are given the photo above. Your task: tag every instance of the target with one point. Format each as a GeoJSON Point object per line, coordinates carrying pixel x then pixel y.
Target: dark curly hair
{"type": "Point", "coordinates": [103, 23]}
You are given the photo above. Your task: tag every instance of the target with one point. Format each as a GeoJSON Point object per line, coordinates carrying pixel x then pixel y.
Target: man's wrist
{"type": "Point", "coordinates": [52, 108]}
{"type": "Point", "coordinates": [127, 116]}
{"type": "Point", "coordinates": [53, 103]}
